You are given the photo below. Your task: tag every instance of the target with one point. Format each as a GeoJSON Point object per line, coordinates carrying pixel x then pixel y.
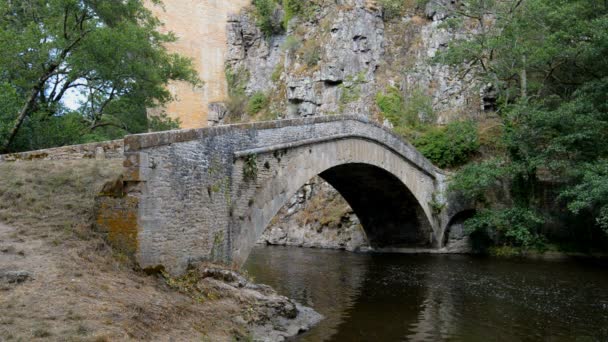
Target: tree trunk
{"type": "Point", "coordinates": [23, 113]}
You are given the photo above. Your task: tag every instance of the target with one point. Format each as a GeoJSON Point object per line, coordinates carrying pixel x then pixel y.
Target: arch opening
{"type": "Point", "coordinates": [388, 211]}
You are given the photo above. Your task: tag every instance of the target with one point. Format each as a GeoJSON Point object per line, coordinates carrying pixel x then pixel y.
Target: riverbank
{"type": "Point", "coordinates": [59, 279]}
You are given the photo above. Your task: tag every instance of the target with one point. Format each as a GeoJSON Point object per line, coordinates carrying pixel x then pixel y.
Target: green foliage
{"type": "Point", "coordinates": [552, 83]}
{"type": "Point", "coordinates": [257, 103]}
{"type": "Point", "coordinates": [250, 169]}
{"type": "Point", "coordinates": [351, 88]}
{"type": "Point", "coordinates": [237, 80]}
{"type": "Point", "coordinates": [277, 72]}
{"type": "Point", "coordinates": [304, 9]}
{"type": "Point", "coordinates": [238, 102]}
{"type": "Point", "coordinates": [515, 226]}
{"type": "Point", "coordinates": [108, 53]}
{"type": "Point", "coordinates": [392, 8]}
{"type": "Point", "coordinates": [266, 12]}
{"type": "Point", "coordinates": [10, 103]}
{"type": "Point", "coordinates": [450, 146]}
{"type": "Point", "coordinates": [392, 106]}
{"type": "Point", "coordinates": [162, 122]}
{"type": "Point", "coordinates": [591, 193]}
{"type": "Point", "coordinates": [414, 111]}
{"type": "Point", "coordinates": [475, 180]}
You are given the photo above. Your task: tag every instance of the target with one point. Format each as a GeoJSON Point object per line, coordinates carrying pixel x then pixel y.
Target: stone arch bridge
{"type": "Point", "coordinates": [208, 194]}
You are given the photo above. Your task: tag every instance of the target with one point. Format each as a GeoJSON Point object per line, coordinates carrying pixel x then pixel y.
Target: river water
{"type": "Point", "coordinates": [375, 297]}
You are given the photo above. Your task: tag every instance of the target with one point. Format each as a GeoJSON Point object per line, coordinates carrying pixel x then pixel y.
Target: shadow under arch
{"type": "Point", "coordinates": [388, 211]}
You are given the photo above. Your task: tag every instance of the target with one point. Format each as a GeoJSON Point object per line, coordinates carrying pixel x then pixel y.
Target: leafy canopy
{"type": "Point", "coordinates": [107, 56]}
{"type": "Point", "coordinates": [546, 60]}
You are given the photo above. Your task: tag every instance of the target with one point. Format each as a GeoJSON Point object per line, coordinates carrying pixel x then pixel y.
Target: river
{"type": "Point", "coordinates": [396, 297]}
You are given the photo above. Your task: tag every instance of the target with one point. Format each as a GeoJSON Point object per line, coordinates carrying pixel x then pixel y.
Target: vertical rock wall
{"type": "Point", "coordinates": [200, 26]}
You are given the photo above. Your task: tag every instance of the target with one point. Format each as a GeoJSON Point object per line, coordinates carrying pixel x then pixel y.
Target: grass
{"type": "Point", "coordinates": [55, 195]}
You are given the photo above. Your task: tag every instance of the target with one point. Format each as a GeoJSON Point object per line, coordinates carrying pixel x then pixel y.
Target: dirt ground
{"type": "Point", "coordinates": [60, 280]}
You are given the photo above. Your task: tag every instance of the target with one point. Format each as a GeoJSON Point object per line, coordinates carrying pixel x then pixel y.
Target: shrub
{"type": "Point", "coordinates": [237, 102]}
{"type": "Point", "coordinates": [402, 112]}
{"type": "Point", "coordinates": [474, 180]}
{"type": "Point", "coordinates": [277, 72]}
{"type": "Point", "coordinates": [391, 105]}
{"type": "Point", "coordinates": [266, 14]}
{"type": "Point", "coordinates": [515, 226]}
{"type": "Point", "coordinates": [450, 146]}
{"type": "Point", "coordinates": [392, 8]}
{"type": "Point", "coordinates": [163, 122]}
{"type": "Point", "coordinates": [292, 8]}
{"type": "Point", "coordinates": [311, 53]}
{"type": "Point", "coordinates": [256, 103]}
{"type": "Point", "coordinates": [351, 89]}
{"type": "Point", "coordinates": [304, 9]}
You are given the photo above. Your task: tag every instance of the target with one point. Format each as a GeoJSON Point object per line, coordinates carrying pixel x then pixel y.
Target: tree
{"type": "Point", "coordinates": [546, 59]}
{"type": "Point", "coordinates": [108, 54]}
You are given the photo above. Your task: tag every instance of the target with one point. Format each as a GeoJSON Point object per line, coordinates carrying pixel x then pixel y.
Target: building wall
{"type": "Point", "coordinates": [200, 26]}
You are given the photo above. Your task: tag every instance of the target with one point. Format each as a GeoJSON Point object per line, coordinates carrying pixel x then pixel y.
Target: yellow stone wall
{"type": "Point", "coordinates": [200, 26]}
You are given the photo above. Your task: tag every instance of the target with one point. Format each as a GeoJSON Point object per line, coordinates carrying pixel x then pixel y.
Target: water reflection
{"type": "Point", "coordinates": [428, 298]}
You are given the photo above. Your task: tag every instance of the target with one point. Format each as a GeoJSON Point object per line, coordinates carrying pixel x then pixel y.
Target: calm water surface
{"type": "Point", "coordinates": [367, 297]}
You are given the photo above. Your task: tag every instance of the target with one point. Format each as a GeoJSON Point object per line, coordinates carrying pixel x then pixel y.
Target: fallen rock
{"type": "Point", "coordinates": [272, 317]}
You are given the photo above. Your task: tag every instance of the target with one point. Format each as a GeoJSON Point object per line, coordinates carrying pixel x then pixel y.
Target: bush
{"type": "Point", "coordinates": [278, 71]}
{"type": "Point", "coordinates": [450, 146]}
{"type": "Point", "coordinates": [391, 105]}
{"type": "Point", "coordinates": [237, 80]}
{"type": "Point", "coordinates": [256, 103]}
{"type": "Point", "coordinates": [515, 226]}
{"type": "Point", "coordinates": [266, 16]}
{"type": "Point", "coordinates": [402, 112]}
{"type": "Point", "coordinates": [475, 180]}
{"type": "Point", "coordinates": [311, 53]}
{"type": "Point", "coordinates": [392, 8]}
{"type": "Point", "coordinates": [304, 9]}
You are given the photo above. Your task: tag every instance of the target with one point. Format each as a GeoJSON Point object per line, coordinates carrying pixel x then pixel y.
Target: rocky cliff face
{"type": "Point", "coordinates": [316, 217]}
{"type": "Point", "coordinates": [336, 61]}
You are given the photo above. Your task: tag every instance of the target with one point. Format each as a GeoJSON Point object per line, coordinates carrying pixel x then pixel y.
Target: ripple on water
{"type": "Point", "coordinates": [427, 298]}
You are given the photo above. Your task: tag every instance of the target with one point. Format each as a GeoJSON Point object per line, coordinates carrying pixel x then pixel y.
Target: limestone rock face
{"type": "Point", "coordinates": [251, 52]}
{"type": "Point", "coordinates": [316, 217]}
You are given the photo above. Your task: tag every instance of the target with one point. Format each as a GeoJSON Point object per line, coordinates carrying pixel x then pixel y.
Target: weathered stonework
{"type": "Point", "coordinates": [208, 194]}
{"type": "Point", "coordinates": [102, 150]}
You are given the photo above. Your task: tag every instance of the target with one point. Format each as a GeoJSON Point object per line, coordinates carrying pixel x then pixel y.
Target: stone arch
{"type": "Point", "coordinates": [389, 194]}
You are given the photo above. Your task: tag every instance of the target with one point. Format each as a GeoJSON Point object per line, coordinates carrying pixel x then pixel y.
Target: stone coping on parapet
{"type": "Point", "coordinates": [112, 149]}
{"type": "Point", "coordinates": [138, 142]}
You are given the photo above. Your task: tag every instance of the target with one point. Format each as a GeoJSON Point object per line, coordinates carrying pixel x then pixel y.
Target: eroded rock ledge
{"type": "Point", "coordinates": [268, 316]}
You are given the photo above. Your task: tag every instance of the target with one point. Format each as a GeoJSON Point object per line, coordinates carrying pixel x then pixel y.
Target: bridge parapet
{"type": "Point", "coordinates": [207, 194]}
